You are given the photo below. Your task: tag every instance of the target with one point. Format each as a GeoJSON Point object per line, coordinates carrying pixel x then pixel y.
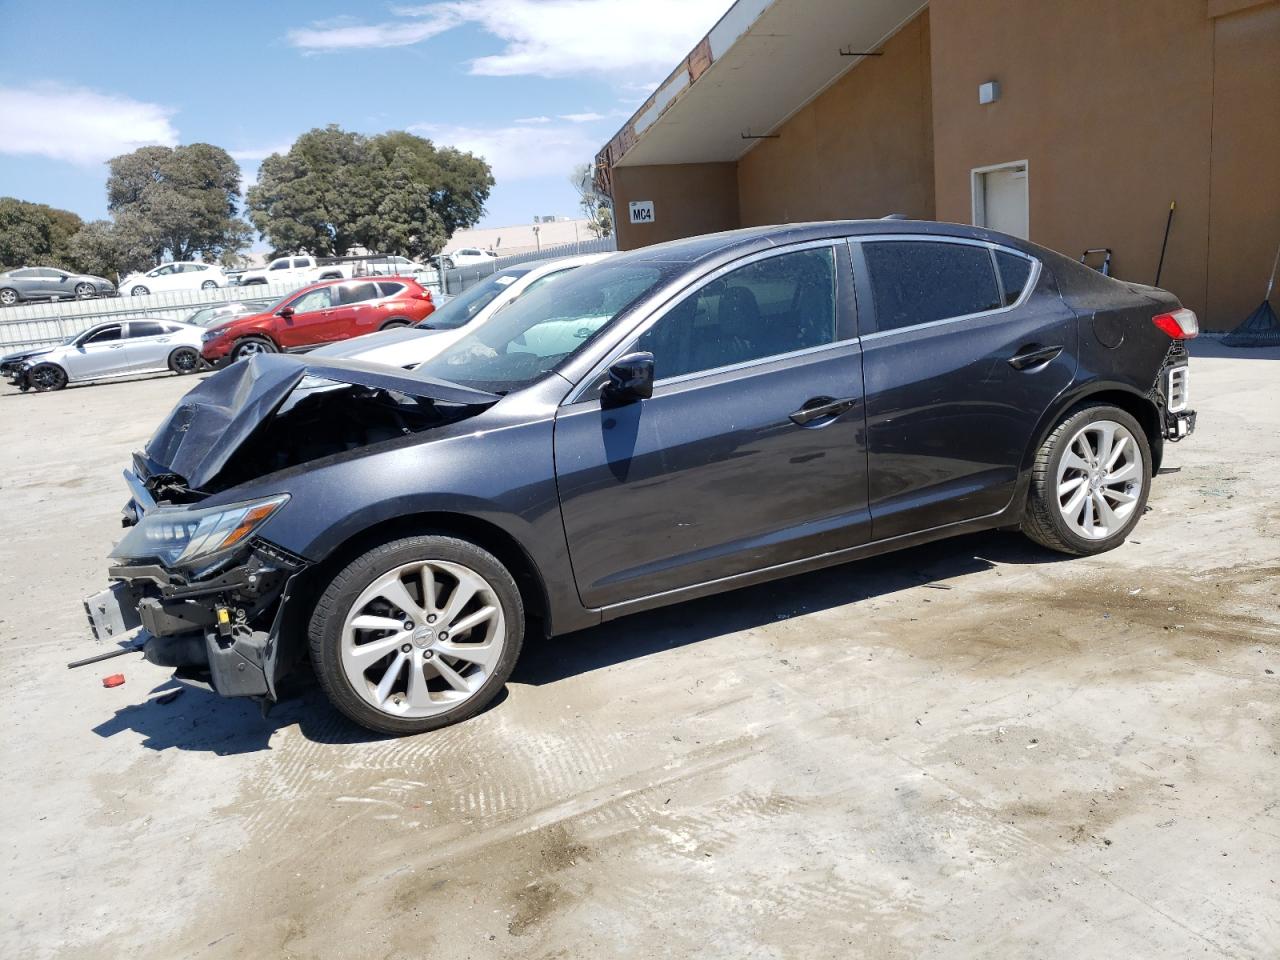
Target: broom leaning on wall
{"type": "Point", "coordinates": [1261, 328]}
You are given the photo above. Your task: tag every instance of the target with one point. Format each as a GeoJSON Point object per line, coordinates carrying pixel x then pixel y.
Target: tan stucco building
{"type": "Point", "coordinates": [1075, 123]}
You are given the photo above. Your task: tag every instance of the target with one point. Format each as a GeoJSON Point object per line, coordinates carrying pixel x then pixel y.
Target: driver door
{"type": "Point", "coordinates": [310, 314]}
{"type": "Point", "coordinates": [102, 353]}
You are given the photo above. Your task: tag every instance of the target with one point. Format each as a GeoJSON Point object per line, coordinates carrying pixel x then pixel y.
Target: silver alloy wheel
{"type": "Point", "coordinates": [249, 348]}
{"type": "Point", "coordinates": [1100, 479]}
{"type": "Point", "coordinates": [208, 285]}
{"type": "Point", "coordinates": [8, 297]}
{"type": "Point", "coordinates": [423, 638]}
{"type": "Point", "coordinates": [139, 291]}
{"type": "Point", "coordinates": [84, 291]}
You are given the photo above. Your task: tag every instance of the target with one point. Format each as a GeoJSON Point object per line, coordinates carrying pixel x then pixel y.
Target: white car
{"type": "Point", "coordinates": [120, 348]}
{"type": "Point", "coordinates": [469, 257]}
{"type": "Point", "coordinates": [296, 270]}
{"type": "Point", "coordinates": [180, 275]}
{"type": "Point", "coordinates": [410, 346]}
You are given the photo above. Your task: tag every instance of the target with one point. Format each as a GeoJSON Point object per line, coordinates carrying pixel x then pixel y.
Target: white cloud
{"type": "Point", "coordinates": [254, 154]}
{"type": "Point", "coordinates": [527, 120]}
{"type": "Point", "coordinates": [547, 38]}
{"type": "Point", "coordinates": [519, 152]}
{"type": "Point", "coordinates": [79, 125]}
{"type": "Point", "coordinates": [583, 117]}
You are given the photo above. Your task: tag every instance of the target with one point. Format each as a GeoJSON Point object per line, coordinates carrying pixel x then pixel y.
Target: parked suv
{"type": "Point", "coordinates": [321, 313]}
{"type": "Point", "coordinates": [675, 421]}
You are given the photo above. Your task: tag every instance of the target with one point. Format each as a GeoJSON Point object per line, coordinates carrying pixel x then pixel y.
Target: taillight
{"type": "Point", "coordinates": [1179, 324]}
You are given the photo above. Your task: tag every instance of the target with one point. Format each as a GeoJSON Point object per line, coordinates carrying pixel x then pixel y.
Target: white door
{"type": "Point", "coordinates": [1000, 200]}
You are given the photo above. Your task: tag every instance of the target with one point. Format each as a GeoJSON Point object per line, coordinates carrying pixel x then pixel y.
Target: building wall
{"type": "Point", "coordinates": [688, 198]}
{"type": "Point", "coordinates": [862, 148]}
{"type": "Point", "coordinates": [1119, 109]}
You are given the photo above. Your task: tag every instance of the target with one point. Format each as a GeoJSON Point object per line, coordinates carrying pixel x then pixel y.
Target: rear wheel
{"type": "Point", "coordinates": [46, 377]}
{"type": "Point", "coordinates": [417, 634]}
{"type": "Point", "coordinates": [184, 360]}
{"type": "Point", "coordinates": [8, 296]}
{"type": "Point", "coordinates": [392, 324]}
{"type": "Point", "coordinates": [208, 284]}
{"type": "Point", "coordinates": [1089, 482]}
{"type": "Point", "coordinates": [139, 291]}
{"type": "Point", "coordinates": [251, 346]}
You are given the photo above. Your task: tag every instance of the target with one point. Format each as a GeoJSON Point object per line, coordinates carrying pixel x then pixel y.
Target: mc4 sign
{"type": "Point", "coordinates": [642, 211]}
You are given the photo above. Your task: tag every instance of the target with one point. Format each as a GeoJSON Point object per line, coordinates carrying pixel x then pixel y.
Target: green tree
{"type": "Point", "coordinates": [34, 234]}
{"type": "Point", "coordinates": [596, 207]}
{"type": "Point", "coordinates": [107, 249]}
{"type": "Point", "coordinates": [182, 201]}
{"type": "Point", "coordinates": [394, 194]}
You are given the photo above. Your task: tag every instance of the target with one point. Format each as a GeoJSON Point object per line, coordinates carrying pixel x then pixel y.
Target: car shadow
{"type": "Point", "coordinates": [1216, 349]}
{"type": "Point", "coordinates": [200, 720]}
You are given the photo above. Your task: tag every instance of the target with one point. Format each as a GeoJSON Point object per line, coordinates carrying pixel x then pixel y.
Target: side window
{"type": "Point", "coordinates": [195, 267]}
{"type": "Point", "coordinates": [105, 335]}
{"type": "Point", "coordinates": [355, 292]}
{"type": "Point", "coordinates": [145, 328]}
{"type": "Point", "coordinates": [25, 273]}
{"type": "Point", "coordinates": [390, 289]}
{"type": "Point", "coordinates": [301, 263]}
{"type": "Point", "coordinates": [279, 265]}
{"type": "Point", "coordinates": [919, 281]}
{"type": "Point", "coordinates": [311, 302]}
{"type": "Point", "coordinates": [548, 278]}
{"type": "Point", "coordinates": [767, 308]}
{"type": "Point", "coordinates": [1014, 271]}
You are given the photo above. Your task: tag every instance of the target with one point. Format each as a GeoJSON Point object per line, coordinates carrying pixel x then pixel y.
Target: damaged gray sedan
{"type": "Point", "coordinates": [673, 422]}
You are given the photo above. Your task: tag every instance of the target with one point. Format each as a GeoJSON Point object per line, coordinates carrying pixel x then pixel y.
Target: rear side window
{"type": "Point", "coordinates": [355, 292]}
{"type": "Point", "coordinates": [1014, 271]}
{"type": "Point", "coordinates": [920, 281]}
{"type": "Point", "coordinates": [298, 263]}
{"type": "Point", "coordinates": [767, 308]}
{"type": "Point", "coordinates": [391, 289]}
{"type": "Point", "coordinates": [145, 328]}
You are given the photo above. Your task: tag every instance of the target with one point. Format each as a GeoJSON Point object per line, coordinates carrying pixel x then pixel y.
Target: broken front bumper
{"type": "Point", "coordinates": [223, 631]}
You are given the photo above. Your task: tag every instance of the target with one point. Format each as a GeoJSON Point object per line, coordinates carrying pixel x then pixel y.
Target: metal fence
{"type": "Point", "coordinates": [459, 279]}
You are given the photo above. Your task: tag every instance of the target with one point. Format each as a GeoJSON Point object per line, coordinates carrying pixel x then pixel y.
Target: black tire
{"type": "Point", "coordinates": [392, 324]}
{"type": "Point", "coordinates": [9, 297]}
{"type": "Point", "coordinates": [328, 619]}
{"type": "Point", "coordinates": [85, 291]}
{"type": "Point", "coordinates": [209, 285]}
{"type": "Point", "coordinates": [139, 291]}
{"type": "Point", "coordinates": [184, 360]}
{"type": "Point", "coordinates": [1043, 521]}
{"type": "Point", "coordinates": [47, 377]}
{"type": "Point", "coordinates": [252, 345]}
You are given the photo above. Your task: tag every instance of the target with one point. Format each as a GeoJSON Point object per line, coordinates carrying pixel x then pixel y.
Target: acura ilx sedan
{"type": "Point", "coordinates": [675, 421]}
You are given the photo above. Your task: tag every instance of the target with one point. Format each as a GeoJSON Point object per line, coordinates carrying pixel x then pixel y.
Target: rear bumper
{"type": "Point", "coordinates": [1179, 426]}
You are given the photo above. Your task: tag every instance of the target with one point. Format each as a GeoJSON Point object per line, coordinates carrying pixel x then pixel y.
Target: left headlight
{"type": "Point", "coordinates": [176, 536]}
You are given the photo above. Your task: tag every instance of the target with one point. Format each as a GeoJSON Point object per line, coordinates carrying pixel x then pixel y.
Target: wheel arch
{"type": "Point", "coordinates": [396, 322]}
{"type": "Point", "coordinates": [1124, 396]}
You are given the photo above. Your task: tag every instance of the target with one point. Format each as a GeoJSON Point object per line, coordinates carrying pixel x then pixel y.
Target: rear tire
{"type": "Point", "coordinates": [209, 285]}
{"type": "Point", "coordinates": [413, 676]}
{"type": "Point", "coordinates": [1089, 482]}
{"type": "Point", "coordinates": [393, 324]}
{"type": "Point", "coordinates": [47, 377]}
{"type": "Point", "coordinates": [139, 291]}
{"type": "Point", "coordinates": [8, 297]}
{"type": "Point", "coordinates": [184, 360]}
{"type": "Point", "coordinates": [251, 346]}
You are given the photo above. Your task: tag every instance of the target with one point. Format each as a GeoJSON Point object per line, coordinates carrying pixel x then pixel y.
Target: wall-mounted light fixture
{"type": "Point", "coordinates": [989, 92]}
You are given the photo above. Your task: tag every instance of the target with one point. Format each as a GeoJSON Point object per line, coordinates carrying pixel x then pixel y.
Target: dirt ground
{"type": "Point", "coordinates": [975, 749]}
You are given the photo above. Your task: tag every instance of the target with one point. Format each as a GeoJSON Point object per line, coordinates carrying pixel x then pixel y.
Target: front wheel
{"type": "Point", "coordinates": [417, 634]}
{"type": "Point", "coordinates": [1089, 482]}
{"type": "Point", "coordinates": [139, 291]}
{"type": "Point", "coordinates": [84, 291]}
{"type": "Point", "coordinates": [251, 346]}
{"type": "Point", "coordinates": [47, 377]}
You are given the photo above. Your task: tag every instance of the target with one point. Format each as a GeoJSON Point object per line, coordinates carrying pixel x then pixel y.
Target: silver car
{"type": "Point", "coordinates": [50, 283]}
{"type": "Point", "coordinates": [121, 348]}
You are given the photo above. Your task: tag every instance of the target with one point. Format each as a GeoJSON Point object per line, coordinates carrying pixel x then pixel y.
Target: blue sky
{"type": "Point", "coordinates": [535, 86]}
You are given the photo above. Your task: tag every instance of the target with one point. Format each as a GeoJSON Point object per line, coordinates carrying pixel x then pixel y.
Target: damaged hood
{"type": "Point", "coordinates": [213, 420]}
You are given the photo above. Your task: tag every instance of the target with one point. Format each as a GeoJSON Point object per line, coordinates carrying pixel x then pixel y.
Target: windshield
{"type": "Point", "coordinates": [462, 309]}
{"type": "Point", "coordinates": [533, 334]}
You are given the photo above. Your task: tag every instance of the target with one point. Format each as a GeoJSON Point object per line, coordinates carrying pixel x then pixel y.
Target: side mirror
{"type": "Point", "coordinates": [630, 379]}
{"type": "Point", "coordinates": [286, 312]}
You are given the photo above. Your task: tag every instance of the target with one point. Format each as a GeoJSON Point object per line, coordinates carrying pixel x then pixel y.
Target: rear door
{"type": "Point", "coordinates": [727, 468]}
{"type": "Point", "coordinates": [103, 352]}
{"type": "Point", "coordinates": [310, 315]}
{"type": "Point", "coordinates": [354, 310]}
{"type": "Point", "coordinates": [148, 344]}
{"type": "Point", "coordinates": [965, 346]}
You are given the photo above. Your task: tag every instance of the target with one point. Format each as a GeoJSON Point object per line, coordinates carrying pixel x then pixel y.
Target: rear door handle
{"type": "Point", "coordinates": [822, 408]}
{"type": "Point", "coordinates": [1033, 355]}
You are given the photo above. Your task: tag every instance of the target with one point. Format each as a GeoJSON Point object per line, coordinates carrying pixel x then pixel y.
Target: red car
{"type": "Point", "coordinates": [321, 313]}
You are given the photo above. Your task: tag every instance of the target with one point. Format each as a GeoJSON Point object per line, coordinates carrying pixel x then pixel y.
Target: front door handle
{"type": "Point", "coordinates": [1033, 355]}
{"type": "Point", "coordinates": [822, 408]}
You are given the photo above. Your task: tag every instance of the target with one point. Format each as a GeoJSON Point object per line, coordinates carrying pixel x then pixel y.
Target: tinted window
{"type": "Point", "coordinates": [355, 292]}
{"type": "Point", "coordinates": [767, 308]}
{"type": "Point", "coordinates": [310, 302]}
{"type": "Point", "coordinates": [462, 308]}
{"type": "Point", "coordinates": [104, 335]}
{"type": "Point", "coordinates": [145, 328]}
{"type": "Point", "coordinates": [279, 265]}
{"type": "Point", "coordinates": [1014, 271]}
{"type": "Point", "coordinates": [25, 273]}
{"type": "Point", "coordinates": [300, 262]}
{"type": "Point", "coordinates": [391, 289]}
{"type": "Point", "coordinates": [919, 281]}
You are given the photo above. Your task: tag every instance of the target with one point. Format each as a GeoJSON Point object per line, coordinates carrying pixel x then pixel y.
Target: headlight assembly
{"type": "Point", "coordinates": [176, 536]}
